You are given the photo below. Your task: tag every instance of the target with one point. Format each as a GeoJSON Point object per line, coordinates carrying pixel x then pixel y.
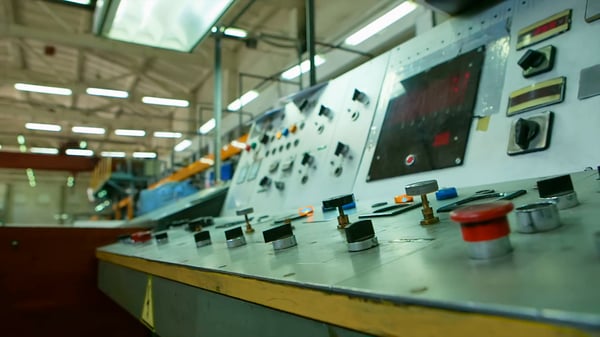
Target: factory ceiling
{"type": "Point", "coordinates": [51, 43]}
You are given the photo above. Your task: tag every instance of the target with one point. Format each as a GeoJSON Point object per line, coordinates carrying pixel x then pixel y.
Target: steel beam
{"type": "Point", "coordinates": [17, 160]}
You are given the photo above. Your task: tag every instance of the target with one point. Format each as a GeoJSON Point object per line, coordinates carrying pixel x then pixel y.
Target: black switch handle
{"type": "Point", "coordinates": [525, 132]}
{"type": "Point", "coordinates": [531, 59]}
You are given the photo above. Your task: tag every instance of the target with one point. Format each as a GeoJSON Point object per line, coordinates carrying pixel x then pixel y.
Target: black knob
{"type": "Point", "coordinates": [280, 185]}
{"type": "Point", "coordinates": [531, 59]}
{"type": "Point", "coordinates": [339, 201]}
{"type": "Point", "coordinates": [360, 96]}
{"type": "Point", "coordinates": [341, 149]}
{"type": "Point", "coordinates": [265, 182]}
{"type": "Point", "coordinates": [303, 105]}
{"type": "Point", "coordinates": [360, 231]}
{"type": "Point", "coordinates": [277, 233]}
{"type": "Point", "coordinates": [264, 139]}
{"type": "Point", "coordinates": [325, 111]}
{"type": "Point", "coordinates": [307, 159]}
{"type": "Point", "coordinates": [233, 233]}
{"type": "Point", "coordinates": [525, 132]}
{"type": "Point", "coordinates": [202, 236]}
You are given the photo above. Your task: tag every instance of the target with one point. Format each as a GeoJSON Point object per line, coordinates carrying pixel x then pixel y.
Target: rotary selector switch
{"type": "Point", "coordinates": [360, 235]}
{"type": "Point", "coordinates": [245, 213]}
{"type": "Point", "coordinates": [307, 160]}
{"type": "Point", "coordinates": [325, 112]}
{"type": "Point", "coordinates": [360, 96]}
{"type": "Point", "coordinates": [282, 236]}
{"type": "Point", "coordinates": [235, 237]}
{"type": "Point", "coordinates": [264, 139]}
{"type": "Point", "coordinates": [422, 188]}
{"type": "Point", "coordinates": [339, 202]}
{"type": "Point", "coordinates": [341, 149]}
{"type": "Point", "coordinates": [202, 239]}
{"type": "Point", "coordinates": [265, 182]}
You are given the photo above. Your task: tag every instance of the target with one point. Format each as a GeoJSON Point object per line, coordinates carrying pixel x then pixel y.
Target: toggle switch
{"type": "Point", "coordinates": [245, 213]}
{"type": "Point", "coordinates": [538, 61]}
{"type": "Point", "coordinates": [265, 182]}
{"type": "Point", "coordinates": [422, 188]}
{"type": "Point", "coordinates": [525, 132]}
{"type": "Point", "coordinates": [325, 112]}
{"type": "Point", "coordinates": [360, 96]}
{"type": "Point", "coordinates": [280, 185]}
{"type": "Point", "coordinates": [341, 149]}
{"type": "Point", "coordinates": [202, 239]}
{"type": "Point", "coordinates": [274, 166]}
{"type": "Point", "coordinates": [234, 237]}
{"type": "Point", "coordinates": [360, 235]}
{"type": "Point", "coordinates": [339, 202]}
{"type": "Point", "coordinates": [287, 165]}
{"type": "Point", "coordinates": [282, 236]}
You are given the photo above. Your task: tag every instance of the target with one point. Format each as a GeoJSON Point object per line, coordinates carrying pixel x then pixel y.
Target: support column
{"type": "Point", "coordinates": [218, 99]}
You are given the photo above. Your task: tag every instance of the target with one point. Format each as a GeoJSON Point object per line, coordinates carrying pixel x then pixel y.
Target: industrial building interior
{"type": "Point", "coordinates": [299, 167]}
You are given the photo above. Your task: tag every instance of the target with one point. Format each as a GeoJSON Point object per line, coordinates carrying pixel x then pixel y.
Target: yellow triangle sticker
{"type": "Point", "coordinates": [148, 306]}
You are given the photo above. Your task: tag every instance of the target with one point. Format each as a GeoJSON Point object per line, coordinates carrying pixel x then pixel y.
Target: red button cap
{"type": "Point", "coordinates": [482, 212]}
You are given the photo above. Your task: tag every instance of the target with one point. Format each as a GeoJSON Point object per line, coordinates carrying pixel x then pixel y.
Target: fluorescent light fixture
{"type": "Point", "coordinates": [21, 139]}
{"type": "Point", "coordinates": [113, 154]}
{"type": "Point", "coordinates": [244, 100]}
{"type": "Point", "coordinates": [304, 67]}
{"type": "Point", "coordinates": [88, 130]}
{"type": "Point", "coordinates": [22, 148]}
{"type": "Point", "coordinates": [130, 133]}
{"type": "Point", "coordinates": [207, 127]}
{"type": "Point", "coordinates": [207, 161]}
{"type": "Point", "coordinates": [381, 23]}
{"type": "Point", "coordinates": [180, 103]}
{"type": "Point", "coordinates": [235, 32]}
{"type": "Point", "coordinates": [42, 89]}
{"type": "Point", "coordinates": [107, 92]}
{"type": "Point", "coordinates": [80, 2]}
{"type": "Point", "coordinates": [144, 155]}
{"type": "Point", "coordinates": [167, 134]}
{"type": "Point", "coordinates": [43, 150]}
{"type": "Point", "coordinates": [79, 152]}
{"type": "Point", "coordinates": [184, 144]}
{"type": "Point", "coordinates": [43, 127]}
{"type": "Point", "coordinates": [177, 25]}
{"type": "Point", "coordinates": [238, 144]}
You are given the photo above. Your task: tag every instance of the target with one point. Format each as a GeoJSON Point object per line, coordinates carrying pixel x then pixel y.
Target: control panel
{"type": "Point", "coordinates": [453, 172]}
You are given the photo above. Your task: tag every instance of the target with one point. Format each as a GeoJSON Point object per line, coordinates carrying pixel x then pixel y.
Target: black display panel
{"type": "Point", "coordinates": [428, 118]}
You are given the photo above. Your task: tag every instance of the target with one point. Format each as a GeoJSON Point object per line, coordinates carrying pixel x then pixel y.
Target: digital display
{"type": "Point", "coordinates": [428, 118]}
{"type": "Point", "coordinates": [544, 29]}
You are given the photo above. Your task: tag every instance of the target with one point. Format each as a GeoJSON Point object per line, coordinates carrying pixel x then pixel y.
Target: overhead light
{"type": "Point", "coordinates": [207, 161]}
{"type": "Point", "coordinates": [79, 152]}
{"type": "Point", "coordinates": [80, 2]}
{"type": "Point", "coordinates": [244, 100]}
{"type": "Point", "coordinates": [381, 23]}
{"type": "Point", "coordinates": [107, 92]}
{"type": "Point", "coordinates": [21, 139]}
{"type": "Point", "coordinates": [235, 32]}
{"type": "Point", "coordinates": [42, 89]}
{"type": "Point", "coordinates": [144, 155]}
{"type": "Point", "coordinates": [83, 144]}
{"type": "Point", "coordinates": [180, 103]}
{"type": "Point", "coordinates": [0, 147]}
{"type": "Point", "coordinates": [70, 181]}
{"type": "Point", "coordinates": [304, 67]}
{"type": "Point", "coordinates": [184, 144]}
{"type": "Point", "coordinates": [22, 148]}
{"type": "Point", "coordinates": [167, 134]}
{"type": "Point", "coordinates": [113, 154]}
{"type": "Point", "coordinates": [43, 127]}
{"type": "Point", "coordinates": [130, 133]}
{"type": "Point", "coordinates": [88, 130]}
{"type": "Point", "coordinates": [43, 150]}
{"type": "Point", "coordinates": [207, 127]}
{"type": "Point", "coordinates": [238, 144]}
{"type": "Point", "coordinates": [177, 25]}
